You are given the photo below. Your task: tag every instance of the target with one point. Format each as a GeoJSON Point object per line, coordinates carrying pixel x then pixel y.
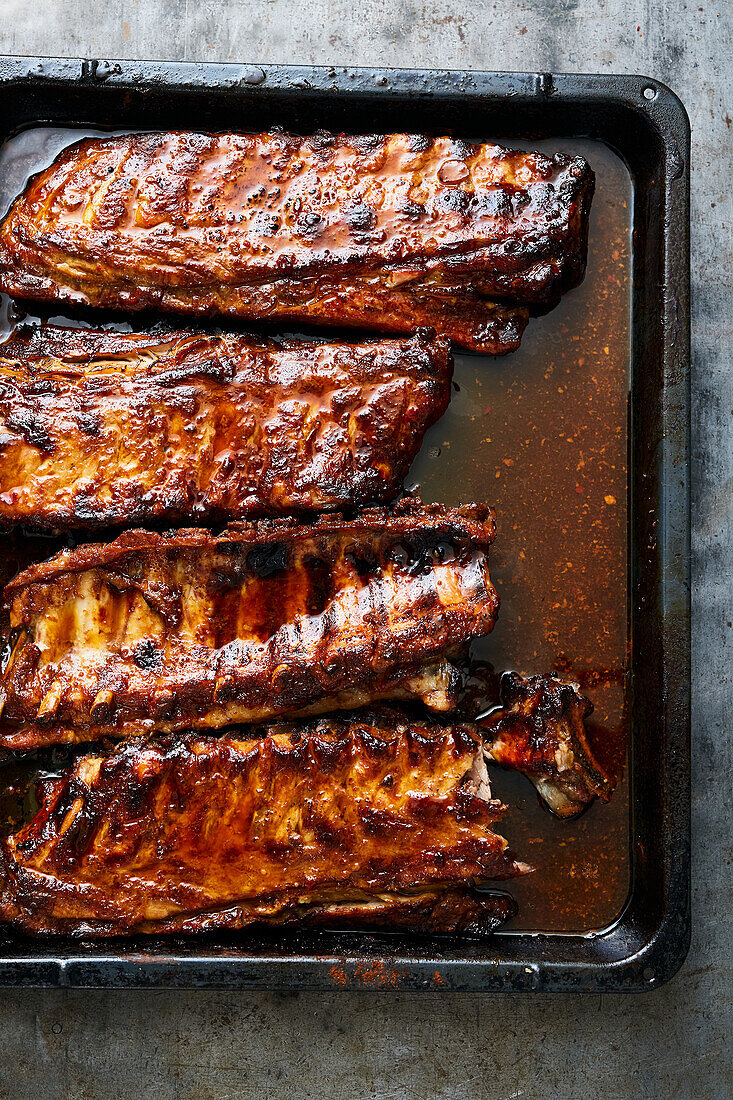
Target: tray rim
{"type": "Point", "coordinates": [629, 955]}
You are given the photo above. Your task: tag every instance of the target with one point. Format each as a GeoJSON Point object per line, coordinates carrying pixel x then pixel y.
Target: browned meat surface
{"type": "Point", "coordinates": [336, 823]}
{"type": "Point", "coordinates": [540, 730]}
{"type": "Point", "coordinates": [383, 232]}
{"type": "Point", "coordinates": [200, 630]}
{"type": "Point", "coordinates": [100, 428]}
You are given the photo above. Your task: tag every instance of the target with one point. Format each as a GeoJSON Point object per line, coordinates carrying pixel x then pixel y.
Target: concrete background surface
{"type": "Point", "coordinates": [674, 1042]}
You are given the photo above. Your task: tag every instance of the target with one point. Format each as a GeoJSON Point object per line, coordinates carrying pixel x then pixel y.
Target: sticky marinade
{"type": "Point", "coordinates": [383, 232]}
{"type": "Point", "coordinates": [167, 632]}
{"type": "Point", "coordinates": [100, 428]}
{"type": "Point", "coordinates": [337, 823]}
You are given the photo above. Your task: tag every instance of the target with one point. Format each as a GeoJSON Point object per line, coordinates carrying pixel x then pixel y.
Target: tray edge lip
{"type": "Point", "coordinates": [666, 113]}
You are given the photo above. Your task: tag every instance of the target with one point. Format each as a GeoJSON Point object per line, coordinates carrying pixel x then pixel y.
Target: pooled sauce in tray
{"type": "Point", "coordinates": [541, 435]}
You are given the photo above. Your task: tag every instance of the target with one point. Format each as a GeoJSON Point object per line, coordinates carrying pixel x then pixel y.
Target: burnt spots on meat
{"type": "Point", "coordinates": [419, 143]}
{"type": "Point", "coordinates": [9, 392]}
{"type": "Point", "coordinates": [463, 740]}
{"type": "Point", "coordinates": [325, 833]}
{"type": "Point", "coordinates": [421, 553]}
{"type": "Point", "coordinates": [330, 753]}
{"type": "Point", "coordinates": [364, 562]}
{"type": "Point", "coordinates": [163, 705]}
{"type": "Point", "coordinates": [256, 194]}
{"type": "Point", "coordinates": [42, 387]}
{"type": "Point", "coordinates": [546, 199]}
{"type": "Point", "coordinates": [373, 745]}
{"type": "Point", "coordinates": [230, 570]}
{"type": "Point", "coordinates": [422, 744]}
{"type": "Point", "coordinates": [89, 423]}
{"type": "Point", "coordinates": [456, 200]}
{"type": "Point", "coordinates": [469, 807]}
{"type": "Point", "coordinates": [320, 584]}
{"type": "Point", "coordinates": [377, 822]}
{"type": "Point", "coordinates": [224, 580]}
{"type": "Point", "coordinates": [413, 210]}
{"type": "Point", "coordinates": [368, 143]}
{"type": "Point", "coordinates": [86, 507]}
{"type": "Point", "coordinates": [146, 654]}
{"type": "Point", "coordinates": [265, 224]}
{"type": "Point", "coordinates": [322, 142]}
{"type": "Point", "coordinates": [217, 369]}
{"type": "Point", "coordinates": [268, 560]}
{"type": "Point", "coordinates": [31, 429]}
{"type": "Point", "coordinates": [495, 203]}
{"type": "Point", "coordinates": [360, 218]}
{"type": "Point", "coordinates": [309, 224]}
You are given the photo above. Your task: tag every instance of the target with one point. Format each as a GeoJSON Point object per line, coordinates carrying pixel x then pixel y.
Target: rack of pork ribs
{"type": "Point", "coordinates": [259, 715]}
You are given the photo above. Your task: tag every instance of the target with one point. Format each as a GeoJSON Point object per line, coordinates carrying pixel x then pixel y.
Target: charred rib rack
{"type": "Point", "coordinates": [540, 730]}
{"type": "Point", "coordinates": [101, 428]}
{"type": "Point", "coordinates": [200, 630]}
{"type": "Point", "coordinates": [339, 823]}
{"type": "Point", "coordinates": [383, 232]}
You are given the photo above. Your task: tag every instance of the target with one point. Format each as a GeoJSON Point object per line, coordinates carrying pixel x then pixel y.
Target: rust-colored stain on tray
{"type": "Point", "coordinates": [540, 434]}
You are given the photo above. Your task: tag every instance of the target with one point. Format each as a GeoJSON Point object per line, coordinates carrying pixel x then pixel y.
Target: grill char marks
{"type": "Point", "coordinates": [390, 235]}
{"type": "Point", "coordinates": [221, 832]}
{"type": "Point", "coordinates": [196, 630]}
{"type": "Point", "coordinates": [98, 429]}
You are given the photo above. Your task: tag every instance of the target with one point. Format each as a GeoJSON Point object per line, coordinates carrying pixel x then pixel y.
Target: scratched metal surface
{"type": "Point", "coordinates": [673, 1042]}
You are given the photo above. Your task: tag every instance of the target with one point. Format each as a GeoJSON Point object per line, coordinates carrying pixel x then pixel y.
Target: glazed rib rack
{"type": "Point", "coordinates": [102, 428]}
{"type": "Point", "coordinates": [340, 822]}
{"type": "Point", "coordinates": [382, 232]}
{"type": "Point", "coordinates": [195, 630]}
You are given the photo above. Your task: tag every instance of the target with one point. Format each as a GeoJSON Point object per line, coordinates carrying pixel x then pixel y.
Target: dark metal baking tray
{"type": "Point", "coordinates": [645, 937]}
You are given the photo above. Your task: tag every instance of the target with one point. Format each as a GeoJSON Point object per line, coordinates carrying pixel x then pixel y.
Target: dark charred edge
{"type": "Point", "coordinates": [34, 342]}
{"type": "Point", "coordinates": [452, 912]}
{"type": "Point", "coordinates": [456, 912]}
{"type": "Point", "coordinates": [474, 523]}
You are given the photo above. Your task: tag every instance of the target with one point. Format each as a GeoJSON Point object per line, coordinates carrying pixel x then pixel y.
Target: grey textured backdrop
{"type": "Point", "coordinates": [671, 1043]}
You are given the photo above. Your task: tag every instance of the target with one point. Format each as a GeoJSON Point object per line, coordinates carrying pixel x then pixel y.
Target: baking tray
{"type": "Point", "coordinates": [617, 348]}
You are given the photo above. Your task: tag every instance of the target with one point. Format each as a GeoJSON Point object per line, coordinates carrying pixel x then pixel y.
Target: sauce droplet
{"type": "Point", "coordinates": [254, 75]}
{"type": "Point", "coordinates": [453, 171]}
